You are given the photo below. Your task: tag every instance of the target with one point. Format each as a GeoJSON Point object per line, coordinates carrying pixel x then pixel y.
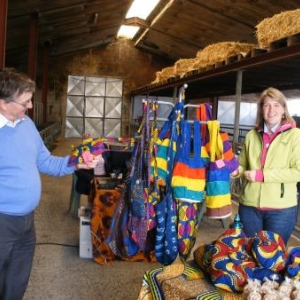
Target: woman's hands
{"type": "Point", "coordinates": [250, 175]}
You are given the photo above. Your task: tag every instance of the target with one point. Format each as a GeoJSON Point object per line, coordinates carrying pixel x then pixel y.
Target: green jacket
{"type": "Point", "coordinates": [281, 170]}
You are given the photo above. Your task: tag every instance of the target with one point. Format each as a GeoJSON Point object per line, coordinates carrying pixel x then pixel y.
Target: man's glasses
{"type": "Point", "coordinates": [24, 104]}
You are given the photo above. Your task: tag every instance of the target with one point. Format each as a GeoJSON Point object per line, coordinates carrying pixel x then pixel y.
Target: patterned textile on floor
{"type": "Point", "coordinates": [180, 281]}
{"type": "Point", "coordinates": [233, 259]}
{"type": "Point", "coordinates": [269, 251]}
{"type": "Point", "coordinates": [293, 263]}
{"type": "Point", "coordinates": [231, 264]}
{"type": "Point", "coordinates": [104, 204]}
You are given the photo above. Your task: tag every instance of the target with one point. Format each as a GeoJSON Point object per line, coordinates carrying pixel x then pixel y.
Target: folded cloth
{"type": "Point", "coordinates": [231, 265]}
{"type": "Point", "coordinates": [269, 251]}
{"type": "Point", "coordinates": [293, 263]}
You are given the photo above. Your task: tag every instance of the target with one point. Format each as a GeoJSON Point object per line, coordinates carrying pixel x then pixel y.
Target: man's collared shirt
{"type": "Point", "coordinates": [4, 121]}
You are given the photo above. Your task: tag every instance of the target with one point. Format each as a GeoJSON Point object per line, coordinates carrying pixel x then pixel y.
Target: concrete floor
{"type": "Point", "coordinates": [59, 273]}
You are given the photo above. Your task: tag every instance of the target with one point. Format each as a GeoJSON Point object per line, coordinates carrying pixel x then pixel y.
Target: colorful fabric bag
{"type": "Point", "coordinates": [231, 265]}
{"type": "Point", "coordinates": [119, 239]}
{"type": "Point", "coordinates": [188, 224]}
{"type": "Point", "coordinates": [188, 178]}
{"type": "Point", "coordinates": [154, 189]}
{"type": "Point", "coordinates": [222, 163]}
{"type": "Point", "coordinates": [166, 242]}
{"type": "Point", "coordinates": [163, 145]}
{"type": "Point", "coordinates": [104, 205]}
{"type": "Point", "coordinates": [153, 199]}
{"type": "Point", "coordinates": [293, 263]}
{"type": "Point", "coordinates": [269, 251]}
{"type": "Point", "coordinates": [138, 184]}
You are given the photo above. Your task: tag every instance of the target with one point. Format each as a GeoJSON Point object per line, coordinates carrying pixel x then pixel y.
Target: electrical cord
{"type": "Point", "coordinates": [57, 244]}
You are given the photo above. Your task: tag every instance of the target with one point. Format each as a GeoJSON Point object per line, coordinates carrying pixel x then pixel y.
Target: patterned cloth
{"type": "Point", "coordinates": [233, 259]}
{"type": "Point", "coordinates": [188, 224]}
{"type": "Point", "coordinates": [180, 281]}
{"type": "Point", "coordinates": [231, 265]}
{"type": "Point", "coordinates": [104, 204]}
{"type": "Point", "coordinates": [268, 249]}
{"type": "Point", "coordinates": [110, 241]}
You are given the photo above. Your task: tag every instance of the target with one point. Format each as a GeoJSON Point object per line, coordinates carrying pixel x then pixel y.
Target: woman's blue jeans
{"type": "Point", "coordinates": [280, 221]}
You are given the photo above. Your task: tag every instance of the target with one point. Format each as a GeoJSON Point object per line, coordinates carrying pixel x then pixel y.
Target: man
{"type": "Point", "coordinates": [23, 156]}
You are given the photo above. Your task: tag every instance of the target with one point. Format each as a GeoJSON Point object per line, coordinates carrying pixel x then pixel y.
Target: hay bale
{"type": "Point", "coordinates": [218, 52]}
{"type": "Point", "coordinates": [277, 27]}
{"type": "Point", "coordinates": [164, 74]}
{"type": "Point", "coordinates": [184, 65]}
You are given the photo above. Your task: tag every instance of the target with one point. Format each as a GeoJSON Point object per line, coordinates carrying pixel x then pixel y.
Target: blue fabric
{"type": "Point", "coordinates": [182, 192]}
{"type": "Point", "coordinates": [23, 155]}
{"type": "Point", "coordinates": [269, 251]}
{"type": "Point", "coordinates": [216, 188]}
{"type": "Point", "coordinates": [262, 274]}
{"type": "Point", "coordinates": [293, 262]}
{"type": "Point", "coordinates": [166, 242]}
{"type": "Point", "coordinates": [189, 166]}
{"type": "Point", "coordinates": [138, 208]}
{"type": "Point", "coordinates": [280, 221]}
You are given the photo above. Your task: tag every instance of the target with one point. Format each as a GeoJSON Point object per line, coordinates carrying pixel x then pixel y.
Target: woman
{"type": "Point", "coordinates": [270, 164]}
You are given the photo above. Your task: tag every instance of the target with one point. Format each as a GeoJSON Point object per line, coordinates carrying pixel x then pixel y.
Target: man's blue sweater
{"type": "Point", "coordinates": [23, 155]}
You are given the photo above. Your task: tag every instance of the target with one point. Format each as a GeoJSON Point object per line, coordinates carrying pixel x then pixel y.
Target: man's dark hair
{"type": "Point", "coordinates": [14, 83]}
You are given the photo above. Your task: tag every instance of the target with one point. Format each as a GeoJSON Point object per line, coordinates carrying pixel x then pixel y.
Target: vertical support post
{"type": "Point", "coordinates": [215, 102]}
{"type": "Point", "coordinates": [3, 26]}
{"type": "Point", "coordinates": [237, 107]}
{"type": "Point", "coordinates": [175, 94]}
{"type": "Point", "coordinates": [32, 51]}
{"type": "Point", "coordinates": [45, 80]}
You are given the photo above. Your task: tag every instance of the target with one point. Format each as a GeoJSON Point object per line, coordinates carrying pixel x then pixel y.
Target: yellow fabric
{"type": "Point", "coordinates": [193, 184]}
{"type": "Point", "coordinates": [218, 201]}
{"type": "Point", "coordinates": [215, 140]}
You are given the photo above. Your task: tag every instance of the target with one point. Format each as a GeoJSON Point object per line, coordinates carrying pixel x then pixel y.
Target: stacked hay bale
{"type": "Point", "coordinates": [219, 52]}
{"type": "Point", "coordinates": [269, 30]}
{"type": "Point", "coordinates": [277, 27]}
{"type": "Point", "coordinates": [183, 66]}
{"type": "Point", "coordinates": [164, 74]}
{"type": "Point", "coordinates": [210, 55]}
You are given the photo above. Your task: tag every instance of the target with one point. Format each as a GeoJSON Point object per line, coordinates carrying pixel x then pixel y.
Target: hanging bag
{"type": "Point", "coordinates": [137, 193]}
{"type": "Point", "coordinates": [166, 243]}
{"type": "Point", "coordinates": [188, 178]}
{"type": "Point", "coordinates": [217, 196]}
{"type": "Point", "coordinates": [119, 239]}
{"type": "Point", "coordinates": [138, 219]}
{"type": "Point", "coordinates": [154, 189]}
{"type": "Point", "coordinates": [188, 183]}
{"type": "Point", "coordinates": [163, 145]}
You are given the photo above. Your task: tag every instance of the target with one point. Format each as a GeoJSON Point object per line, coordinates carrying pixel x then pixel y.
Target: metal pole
{"type": "Point", "coordinates": [237, 107]}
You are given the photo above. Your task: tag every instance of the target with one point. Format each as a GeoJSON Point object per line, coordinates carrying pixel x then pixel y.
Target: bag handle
{"type": "Point", "coordinates": [215, 140]}
{"type": "Point", "coordinates": [197, 139]}
{"type": "Point", "coordinates": [188, 141]}
{"type": "Point", "coordinates": [186, 136]}
{"type": "Point", "coordinates": [204, 114]}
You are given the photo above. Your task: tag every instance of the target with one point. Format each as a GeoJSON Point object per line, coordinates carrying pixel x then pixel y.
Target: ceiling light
{"type": "Point", "coordinates": [128, 32]}
{"type": "Point", "coordinates": [140, 9]}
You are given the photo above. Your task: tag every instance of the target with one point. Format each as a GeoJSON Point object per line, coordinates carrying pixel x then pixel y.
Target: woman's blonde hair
{"type": "Point", "coordinates": [280, 98]}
